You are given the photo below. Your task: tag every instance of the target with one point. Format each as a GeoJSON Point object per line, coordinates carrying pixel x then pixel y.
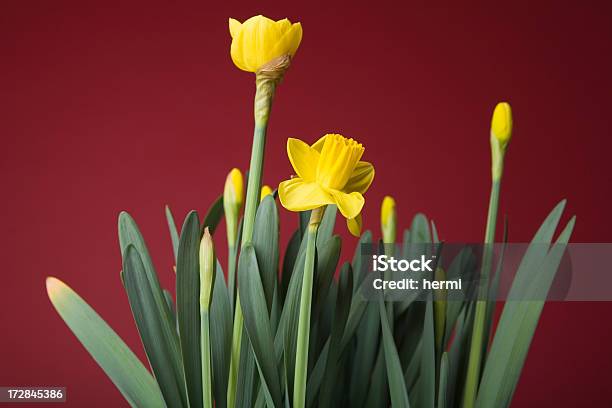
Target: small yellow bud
{"type": "Point", "coordinates": [501, 124]}
{"type": "Point", "coordinates": [260, 40]}
{"type": "Point", "coordinates": [265, 191]}
{"type": "Point", "coordinates": [207, 269]}
{"type": "Point", "coordinates": [233, 192]}
{"type": "Point", "coordinates": [388, 219]}
{"type": "Point", "coordinates": [232, 203]}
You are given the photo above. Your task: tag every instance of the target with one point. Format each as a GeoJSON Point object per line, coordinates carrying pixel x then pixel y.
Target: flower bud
{"type": "Point", "coordinates": [260, 41]}
{"type": "Point", "coordinates": [207, 269]}
{"type": "Point", "coordinates": [265, 191]}
{"type": "Point", "coordinates": [501, 132]}
{"type": "Point", "coordinates": [501, 124]}
{"type": "Point", "coordinates": [388, 220]}
{"type": "Point", "coordinates": [232, 203]}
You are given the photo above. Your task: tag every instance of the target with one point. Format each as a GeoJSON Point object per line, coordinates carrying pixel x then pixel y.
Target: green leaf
{"type": "Point", "coordinates": [158, 337]}
{"type": "Point", "coordinates": [427, 383]}
{"type": "Point", "coordinates": [245, 384]}
{"type": "Point", "coordinates": [395, 375]}
{"type": "Point", "coordinates": [188, 305]}
{"type": "Point", "coordinates": [257, 323]}
{"type": "Point", "coordinates": [326, 228]}
{"type": "Point", "coordinates": [328, 255]}
{"type": "Point", "coordinates": [173, 232]}
{"type": "Point", "coordinates": [291, 254]}
{"type": "Point", "coordinates": [332, 369]}
{"type": "Point", "coordinates": [368, 329]}
{"type": "Point", "coordinates": [265, 242]}
{"type": "Point", "coordinates": [170, 303]}
{"type": "Point", "coordinates": [519, 319]}
{"type": "Point", "coordinates": [108, 350]}
{"type": "Point", "coordinates": [359, 268]}
{"type": "Point", "coordinates": [221, 337]}
{"type": "Point", "coordinates": [442, 403]}
{"type": "Point", "coordinates": [213, 216]}
{"type": "Point", "coordinates": [129, 234]}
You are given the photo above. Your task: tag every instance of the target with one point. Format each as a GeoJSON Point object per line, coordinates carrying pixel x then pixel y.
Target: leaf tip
{"type": "Point", "coordinates": [54, 287]}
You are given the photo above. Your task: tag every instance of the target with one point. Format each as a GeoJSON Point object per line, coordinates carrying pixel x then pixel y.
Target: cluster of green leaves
{"type": "Point", "coordinates": [361, 353]}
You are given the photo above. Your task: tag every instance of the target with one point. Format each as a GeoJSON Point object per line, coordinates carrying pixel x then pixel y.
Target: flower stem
{"type": "Point", "coordinates": [476, 347]}
{"type": "Point", "coordinates": [206, 361]}
{"type": "Point", "coordinates": [301, 361]}
{"type": "Point", "coordinates": [231, 271]}
{"type": "Point", "coordinates": [265, 87]}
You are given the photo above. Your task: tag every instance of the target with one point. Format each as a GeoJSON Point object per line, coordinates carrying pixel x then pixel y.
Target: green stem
{"type": "Point", "coordinates": [303, 335]}
{"type": "Point", "coordinates": [206, 362]}
{"type": "Point", "coordinates": [476, 347]}
{"type": "Point", "coordinates": [231, 272]}
{"type": "Point", "coordinates": [265, 87]}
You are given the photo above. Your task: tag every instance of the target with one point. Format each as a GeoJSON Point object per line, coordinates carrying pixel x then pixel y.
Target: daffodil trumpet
{"type": "Point", "coordinates": [500, 135]}
{"type": "Point", "coordinates": [265, 47]}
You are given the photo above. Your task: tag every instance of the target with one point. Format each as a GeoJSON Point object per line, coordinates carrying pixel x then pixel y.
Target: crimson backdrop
{"type": "Point", "coordinates": [111, 106]}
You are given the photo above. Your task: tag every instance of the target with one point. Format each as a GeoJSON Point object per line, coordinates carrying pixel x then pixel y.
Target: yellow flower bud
{"type": "Point", "coordinates": [265, 191]}
{"type": "Point", "coordinates": [388, 219]}
{"type": "Point", "coordinates": [260, 40]}
{"type": "Point", "coordinates": [501, 124]}
{"type": "Point", "coordinates": [232, 203]}
{"type": "Point", "coordinates": [207, 269]}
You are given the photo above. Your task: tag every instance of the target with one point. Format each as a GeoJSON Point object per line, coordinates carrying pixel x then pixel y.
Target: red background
{"type": "Point", "coordinates": [111, 106]}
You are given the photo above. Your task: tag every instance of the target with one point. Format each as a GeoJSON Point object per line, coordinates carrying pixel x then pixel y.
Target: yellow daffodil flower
{"type": "Point", "coordinates": [501, 123]}
{"type": "Point", "coordinates": [260, 40]}
{"type": "Point", "coordinates": [328, 172]}
{"type": "Point", "coordinates": [265, 191]}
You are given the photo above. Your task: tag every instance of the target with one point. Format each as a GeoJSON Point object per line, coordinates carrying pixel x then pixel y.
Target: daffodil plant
{"type": "Point", "coordinates": [307, 336]}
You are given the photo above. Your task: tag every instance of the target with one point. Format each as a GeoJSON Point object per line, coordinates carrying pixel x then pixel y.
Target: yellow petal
{"type": "Point", "coordinates": [290, 41]}
{"type": "Point", "coordinates": [350, 205]}
{"type": "Point", "coordinates": [299, 195]}
{"type": "Point", "coordinates": [354, 225]}
{"type": "Point", "coordinates": [234, 26]}
{"type": "Point", "coordinates": [361, 179]}
{"type": "Point", "coordinates": [318, 145]}
{"type": "Point", "coordinates": [283, 25]}
{"type": "Point", "coordinates": [303, 158]}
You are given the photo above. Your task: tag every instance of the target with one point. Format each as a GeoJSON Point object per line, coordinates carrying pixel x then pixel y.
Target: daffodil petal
{"type": "Point", "coordinates": [350, 205]}
{"type": "Point", "coordinates": [318, 145]}
{"type": "Point", "coordinates": [354, 225]}
{"type": "Point", "coordinates": [304, 159]}
{"type": "Point", "coordinates": [361, 179]}
{"type": "Point", "coordinates": [299, 195]}
{"type": "Point", "coordinates": [283, 25]}
{"type": "Point", "coordinates": [234, 27]}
